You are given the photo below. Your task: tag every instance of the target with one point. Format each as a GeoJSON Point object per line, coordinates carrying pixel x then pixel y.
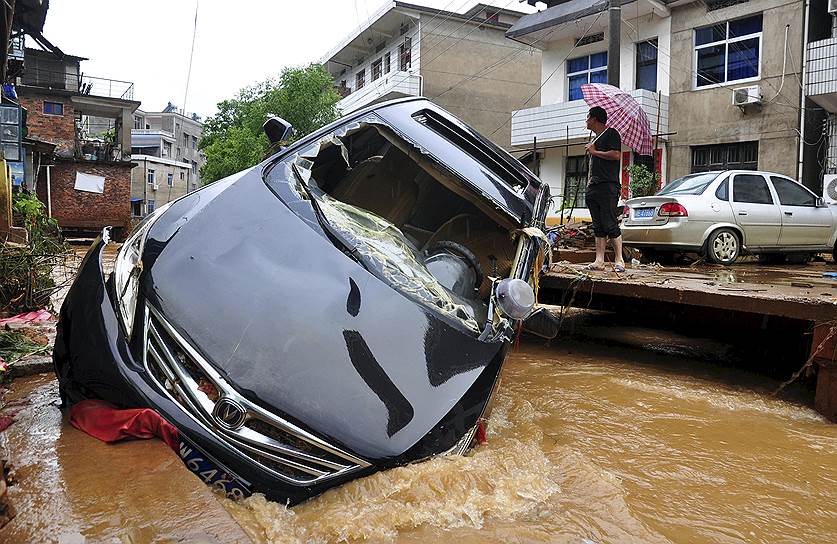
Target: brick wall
{"type": "Point", "coordinates": [80, 209]}
{"type": "Point", "coordinates": [59, 129]}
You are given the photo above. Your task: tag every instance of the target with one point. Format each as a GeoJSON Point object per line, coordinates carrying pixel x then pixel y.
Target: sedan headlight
{"type": "Point", "coordinates": [128, 268]}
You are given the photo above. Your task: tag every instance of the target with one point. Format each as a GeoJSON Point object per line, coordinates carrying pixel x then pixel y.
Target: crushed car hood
{"type": "Point", "coordinates": [302, 329]}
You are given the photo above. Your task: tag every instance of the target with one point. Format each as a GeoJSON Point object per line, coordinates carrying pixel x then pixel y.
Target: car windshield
{"type": "Point", "coordinates": [694, 184]}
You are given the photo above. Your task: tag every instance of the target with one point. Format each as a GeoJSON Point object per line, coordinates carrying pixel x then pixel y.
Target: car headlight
{"type": "Point", "coordinates": [515, 298]}
{"type": "Point", "coordinates": [128, 268]}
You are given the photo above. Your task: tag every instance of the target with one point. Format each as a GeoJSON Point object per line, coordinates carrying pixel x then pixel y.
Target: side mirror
{"type": "Point", "coordinates": [277, 130]}
{"type": "Point", "coordinates": [821, 203]}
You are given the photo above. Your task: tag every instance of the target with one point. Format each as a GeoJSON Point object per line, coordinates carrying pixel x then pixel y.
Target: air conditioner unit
{"type": "Point", "coordinates": [744, 96]}
{"type": "Point", "coordinates": [829, 188]}
{"type": "Point", "coordinates": [154, 186]}
{"type": "Point", "coordinates": [832, 6]}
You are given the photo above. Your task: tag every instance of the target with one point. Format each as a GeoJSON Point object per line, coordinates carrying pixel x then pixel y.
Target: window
{"type": "Point", "coordinates": [136, 207]}
{"type": "Point", "coordinates": [360, 79]}
{"type": "Point", "coordinates": [376, 69]}
{"type": "Point", "coordinates": [737, 156]}
{"type": "Point", "coordinates": [575, 188]}
{"type": "Point", "coordinates": [646, 65]}
{"type": "Point", "coordinates": [167, 149]}
{"type": "Point", "coordinates": [387, 62]}
{"type": "Point", "coordinates": [194, 142]}
{"type": "Point", "coordinates": [722, 192]}
{"type": "Point", "coordinates": [194, 167]}
{"type": "Point", "coordinates": [693, 184]}
{"type": "Point", "coordinates": [179, 153]}
{"type": "Point", "coordinates": [150, 206]}
{"type": "Point", "coordinates": [181, 176]}
{"type": "Point", "coordinates": [751, 189]}
{"type": "Point", "coordinates": [728, 51]}
{"type": "Point", "coordinates": [792, 194]}
{"type": "Point", "coordinates": [587, 69]}
{"type": "Point", "coordinates": [138, 122]}
{"type": "Point", "coordinates": [405, 54]}
{"type": "Point", "coordinates": [170, 179]}
{"type": "Point", "coordinates": [151, 177]}
{"type": "Point", "coordinates": [53, 108]}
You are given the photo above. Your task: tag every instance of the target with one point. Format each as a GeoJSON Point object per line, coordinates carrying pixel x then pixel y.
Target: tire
{"type": "Point", "coordinates": [723, 246]}
{"type": "Point", "coordinates": [834, 254]}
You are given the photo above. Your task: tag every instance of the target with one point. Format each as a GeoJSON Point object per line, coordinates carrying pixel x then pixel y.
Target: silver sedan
{"type": "Point", "coordinates": [724, 214]}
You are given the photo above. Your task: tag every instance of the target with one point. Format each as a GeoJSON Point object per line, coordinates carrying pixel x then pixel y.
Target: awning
{"type": "Point", "coordinates": [137, 199]}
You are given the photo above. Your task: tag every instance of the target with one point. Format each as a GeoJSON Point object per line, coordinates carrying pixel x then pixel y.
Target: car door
{"type": "Point", "coordinates": [803, 223]}
{"type": "Point", "coordinates": [755, 212]}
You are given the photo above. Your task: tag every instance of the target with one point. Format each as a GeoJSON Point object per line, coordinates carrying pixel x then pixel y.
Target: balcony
{"type": "Point", "coordinates": [79, 83]}
{"type": "Point", "coordinates": [821, 76]}
{"type": "Point", "coordinates": [393, 85]}
{"type": "Point", "coordinates": [566, 122]}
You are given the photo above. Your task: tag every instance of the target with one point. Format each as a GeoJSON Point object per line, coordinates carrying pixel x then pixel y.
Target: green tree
{"type": "Point", "coordinates": [233, 139]}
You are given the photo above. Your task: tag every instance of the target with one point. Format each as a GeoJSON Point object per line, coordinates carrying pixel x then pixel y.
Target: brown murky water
{"type": "Point", "coordinates": [589, 445]}
{"type": "Point", "coordinates": [585, 444]}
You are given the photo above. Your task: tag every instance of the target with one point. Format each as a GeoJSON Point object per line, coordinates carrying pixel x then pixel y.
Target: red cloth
{"type": "Point", "coordinates": [28, 317]}
{"type": "Point", "coordinates": [101, 420]}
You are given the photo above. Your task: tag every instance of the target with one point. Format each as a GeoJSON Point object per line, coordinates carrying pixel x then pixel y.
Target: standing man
{"type": "Point", "coordinates": [603, 188]}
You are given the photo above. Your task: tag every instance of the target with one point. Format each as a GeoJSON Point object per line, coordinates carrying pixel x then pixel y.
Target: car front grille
{"type": "Point", "coordinates": [280, 447]}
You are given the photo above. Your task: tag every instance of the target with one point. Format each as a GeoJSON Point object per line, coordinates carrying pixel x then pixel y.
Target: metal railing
{"type": "Point", "coordinates": [80, 83]}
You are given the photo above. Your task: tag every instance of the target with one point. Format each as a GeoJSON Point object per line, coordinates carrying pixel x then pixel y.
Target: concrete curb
{"type": "Point", "coordinates": [28, 366]}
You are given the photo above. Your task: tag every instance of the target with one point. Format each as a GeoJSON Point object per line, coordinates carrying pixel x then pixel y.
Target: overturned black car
{"type": "Point", "coordinates": [343, 307]}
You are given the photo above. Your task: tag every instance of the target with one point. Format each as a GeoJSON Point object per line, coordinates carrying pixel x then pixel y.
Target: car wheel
{"type": "Point", "coordinates": [723, 246]}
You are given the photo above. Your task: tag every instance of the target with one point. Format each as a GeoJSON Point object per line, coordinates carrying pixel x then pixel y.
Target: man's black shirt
{"type": "Point", "coordinates": [603, 170]}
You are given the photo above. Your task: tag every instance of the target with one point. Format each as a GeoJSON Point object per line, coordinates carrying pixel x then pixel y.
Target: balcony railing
{"type": "Point", "coordinates": [393, 84]}
{"type": "Point", "coordinates": [79, 83]}
{"type": "Point", "coordinates": [821, 75]}
{"type": "Point", "coordinates": [566, 121]}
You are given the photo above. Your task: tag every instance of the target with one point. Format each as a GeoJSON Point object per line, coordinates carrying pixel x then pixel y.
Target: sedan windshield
{"type": "Point", "coordinates": [694, 184]}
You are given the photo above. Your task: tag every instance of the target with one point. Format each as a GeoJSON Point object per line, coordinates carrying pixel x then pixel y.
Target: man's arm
{"type": "Point", "coordinates": [611, 147]}
{"type": "Point", "coordinates": [607, 155]}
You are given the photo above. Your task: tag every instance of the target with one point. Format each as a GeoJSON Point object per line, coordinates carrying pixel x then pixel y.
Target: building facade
{"type": "Point", "coordinates": [87, 186]}
{"type": "Point", "coordinates": [720, 81]}
{"type": "Point", "coordinates": [164, 146]}
{"type": "Point", "coordinates": [751, 48]}
{"type": "Point", "coordinates": [461, 61]}
{"type": "Point", "coordinates": [574, 39]}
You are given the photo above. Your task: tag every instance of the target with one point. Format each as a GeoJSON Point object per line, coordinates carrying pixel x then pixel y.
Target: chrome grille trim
{"type": "Point", "coordinates": [182, 388]}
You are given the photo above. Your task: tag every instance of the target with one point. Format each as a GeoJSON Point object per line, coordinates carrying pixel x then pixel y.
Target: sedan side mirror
{"type": "Point", "coordinates": [821, 202]}
{"type": "Point", "coordinates": [277, 130]}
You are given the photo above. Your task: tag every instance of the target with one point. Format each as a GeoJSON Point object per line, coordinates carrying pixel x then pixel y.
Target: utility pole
{"type": "Point", "coordinates": [614, 31]}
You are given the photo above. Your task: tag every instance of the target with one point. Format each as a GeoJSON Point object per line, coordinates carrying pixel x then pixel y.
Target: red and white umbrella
{"type": "Point", "coordinates": [623, 114]}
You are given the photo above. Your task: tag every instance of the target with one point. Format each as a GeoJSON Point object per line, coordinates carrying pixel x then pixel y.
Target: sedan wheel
{"type": "Point", "coordinates": [723, 246]}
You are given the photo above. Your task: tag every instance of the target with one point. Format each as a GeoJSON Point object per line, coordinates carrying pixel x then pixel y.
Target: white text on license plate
{"type": "Point", "coordinates": [643, 213]}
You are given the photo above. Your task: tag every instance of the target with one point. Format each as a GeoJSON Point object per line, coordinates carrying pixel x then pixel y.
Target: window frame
{"type": "Point", "coordinates": [151, 176]}
{"type": "Point", "coordinates": [53, 104]}
{"type": "Point", "coordinates": [387, 62]}
{"type": "Point", "coordinates": [588, 71]}
{"type": "Point", "coordinates": [376, 69]}
{"type": "Point", "coordinates": [726, 42]}
{"type": "Point", "coordinates": [170, 179]}
{"type": "Point", "coordinates": [360, 79]}
{"type": "Point", "coordinates": [405, 54]}
{"type": "Point", "coordinates": [579, 177]}
{"type": "Point", "coordinates": [637, 64]}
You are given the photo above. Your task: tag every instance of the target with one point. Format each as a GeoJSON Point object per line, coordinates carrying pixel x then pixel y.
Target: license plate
{"type": "Point", "coordinates": [211, 472]}
{"type": "Point", "coordinates": [643, 213]}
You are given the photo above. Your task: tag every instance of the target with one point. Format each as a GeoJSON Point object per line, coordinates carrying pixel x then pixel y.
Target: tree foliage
{"type": "Point", "coordinates": [233, 139]}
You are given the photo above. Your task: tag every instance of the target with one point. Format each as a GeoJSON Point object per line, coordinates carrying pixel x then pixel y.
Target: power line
{"type": "Point", "coordinates": [191, 56]}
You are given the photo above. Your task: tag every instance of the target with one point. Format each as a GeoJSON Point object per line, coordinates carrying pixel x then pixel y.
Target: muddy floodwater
{"type": "Point", "coordinates": [586, 444]}
{"type": "Point", "coordinates": [593, 444]}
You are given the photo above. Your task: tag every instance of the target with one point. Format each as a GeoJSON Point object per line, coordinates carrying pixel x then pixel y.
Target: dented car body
{"type": "Point", "coordinates": [341, 308]}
